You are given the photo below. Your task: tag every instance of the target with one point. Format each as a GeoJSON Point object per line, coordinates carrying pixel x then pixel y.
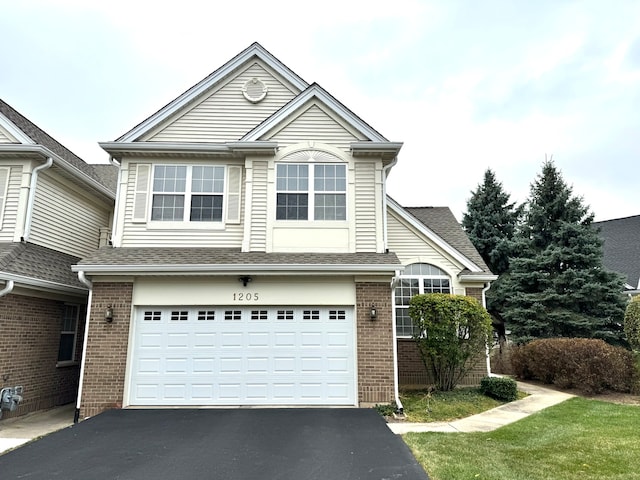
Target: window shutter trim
{"type": "Point", "coordinates": [141, 193]}
{"type": "Point", "coordinates": [4, 187]}
{"type": "Point", "coordinates": [234, 188]}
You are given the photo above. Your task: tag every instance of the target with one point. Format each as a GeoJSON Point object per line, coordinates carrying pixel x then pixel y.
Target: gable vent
{"type": "Point", "coordinates": [254, 90]}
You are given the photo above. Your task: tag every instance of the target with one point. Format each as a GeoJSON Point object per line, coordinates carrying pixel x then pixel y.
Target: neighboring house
{"type": "Point", "coordinates": [622, 249]}
{"type": "Point", "coordinates": [53, 210]}
{"type": "Point", "coordinates": [256, 259]}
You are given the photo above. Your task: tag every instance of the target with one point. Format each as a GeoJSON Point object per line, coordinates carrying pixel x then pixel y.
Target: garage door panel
{"type": "Point", "coordinates": [250, 356]}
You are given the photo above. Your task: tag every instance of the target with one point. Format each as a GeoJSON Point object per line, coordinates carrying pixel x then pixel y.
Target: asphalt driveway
{"type": "Point", "coordinates": [229, 444]}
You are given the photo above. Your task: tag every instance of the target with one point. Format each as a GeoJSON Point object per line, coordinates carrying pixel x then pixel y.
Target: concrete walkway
{"type": "Point", "coordinates": [539, 398]}
{"type": "Point", "coordinates": [17, 431]}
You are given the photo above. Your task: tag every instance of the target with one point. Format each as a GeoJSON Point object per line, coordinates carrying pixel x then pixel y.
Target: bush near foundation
{"type": "Point", "coordinates": [505, 389]}
{"type": "Point", "coordinates": [589, 365]}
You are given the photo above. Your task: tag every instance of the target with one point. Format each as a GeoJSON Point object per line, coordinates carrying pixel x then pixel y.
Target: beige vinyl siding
{"type": "Point", "coordinates": [136, 234]}
{"type": "Point", "coordinates": [64, 220]}
{"type": "Point", "coordinates": [225, 115]}
{"type": "Point", "coordinates": [5, 137]}
{"type": "Point", "coordinates": [259, 214]}
{"type": "Point", "coordinates": [10, 202]}
{"type": "Point", "coordinates": [409, 245]}
{"type": "Point", "coordinates": [365, 204]}
{"type": "Point", "coordinates": [316, 125]}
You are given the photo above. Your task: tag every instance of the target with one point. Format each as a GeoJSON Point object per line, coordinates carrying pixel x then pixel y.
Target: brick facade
{"type": "Point", "coordinates": [29, 353]}
{"type": "Point", "coordinates": [106, 356]}
{"type": "Point", "coordinates": [375, 344]}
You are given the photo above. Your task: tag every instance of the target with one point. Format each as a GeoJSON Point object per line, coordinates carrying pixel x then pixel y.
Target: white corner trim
{"type": "Point", "coordinates": [439, 241]}
{"type": "Point", "coordinates": [202, 86]}
{"type": "Point", "coordinates": [318, 92]}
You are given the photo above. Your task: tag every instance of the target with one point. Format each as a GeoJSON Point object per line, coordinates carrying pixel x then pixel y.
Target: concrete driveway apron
{"type": "Point", "coordinates": [229, 444]}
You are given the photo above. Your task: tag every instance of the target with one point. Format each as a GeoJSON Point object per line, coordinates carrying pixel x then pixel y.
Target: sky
{"type": "Point", "coordinates": [466, 85]}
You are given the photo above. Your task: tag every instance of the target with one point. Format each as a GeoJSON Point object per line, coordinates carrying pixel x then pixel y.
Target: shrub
{"type": "Point", "coordinates": [632, 323]}
{"type": "Point", "coordinates": [590, 365]}
{"type": "Point", "coordinates": [452, 332]}
{"type": "Point", "coordinates": [500, 388]}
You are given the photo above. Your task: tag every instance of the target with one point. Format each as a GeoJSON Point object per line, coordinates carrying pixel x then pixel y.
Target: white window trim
{"type": "Point", "coordinates": [74, 360]}
{"type": "Point", "coordinates": [186, 223]}
{"type": "Point", "coordinates": [421, 291]}
{"type": "Point", "coordinates": [311, 193]}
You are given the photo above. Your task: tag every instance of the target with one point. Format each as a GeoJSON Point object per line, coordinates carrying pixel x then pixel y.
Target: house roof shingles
{"type": "Point", "coordinates": [153, 256]}
{"type": "Point", "coordinates": [38, 263]}
{"type": "Point", "coordinates": [621, 250]}
{"type": "Point", "coordinates": [444, 224]}
{"type": "Point", "coordinates": [41, 137]}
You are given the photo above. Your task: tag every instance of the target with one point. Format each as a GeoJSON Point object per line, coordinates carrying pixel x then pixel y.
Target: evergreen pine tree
{"type": "Point", "coordinates": [491, 222]}
{"type": "Point", "coordinates": [557, 285]}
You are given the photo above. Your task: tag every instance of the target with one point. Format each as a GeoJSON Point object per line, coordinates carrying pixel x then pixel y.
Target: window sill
{"type": "Point", "coordinates": [311, 223]}
{"type": "Point", "coordinates": [67, 363]}
{"type": "Point", "coordinates": [167, 226]}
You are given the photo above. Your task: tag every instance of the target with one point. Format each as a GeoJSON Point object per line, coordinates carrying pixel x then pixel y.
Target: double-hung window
{"type": "Point", "coordinates": [68, 333]}
{"type": "Point", "coordinates": [187, 193]}
{"type": "Point", "coordinates": [311, 192]}
{"type": "Point", "coordinates": [417, 278]}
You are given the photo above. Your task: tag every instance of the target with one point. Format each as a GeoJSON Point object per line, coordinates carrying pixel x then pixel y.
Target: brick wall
{"type": "Point", "coordinates": [375, 344]}
{"type": "Point", "coordinates": [412, 373]}
{"type": "Point", "coordinates": [29, 342]}
{"type": "Point", "coordinates": [106, 358]}
{"type": "Point", "coordinates": [474, 293]}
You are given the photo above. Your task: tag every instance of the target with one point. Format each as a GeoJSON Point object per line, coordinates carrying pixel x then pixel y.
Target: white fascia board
{"type": "Point", "coordinates": [22, 281]}
{"type": "Point", "coordinates": [477, 278]}
{"type": "Point", "coordinates": [116, 149]}
{"type": "Point", "coordinates": [45, 153]}
{"type": "Point", "coordinates": [195, 91]}
{"type": "Point", "coordinates": [422, 228]}
{"type": "Point", "coordinates": [316, 91]}
{"type": "Point", "coordinates": [367, 148]}
{"type": "Point", "coordinates": [204, 269]}
{"type": "Point", "coordinates": [14, 131]}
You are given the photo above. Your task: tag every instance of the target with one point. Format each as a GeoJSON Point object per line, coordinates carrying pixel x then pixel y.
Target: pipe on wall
{"type": "Point", "coordinates": [89, 285]}
{"type": "Point", "coordinates": [32, 196]}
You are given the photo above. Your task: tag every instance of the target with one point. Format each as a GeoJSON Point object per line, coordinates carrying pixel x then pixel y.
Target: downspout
{"type": "Point", "coordinates": [116, 206]}
{"type": "Point", "coordinates": [484, 304]}
{"type": "Point", "coordinates": [83, 279]}
{"type": "Point", "coordinates": [8, 288]}
{"type": "Point", "coordinates": [385, 171]}
{"type": "Point", "coordinates": [32, 196]}
{"type": "Point", "coordinates": [396, 388]}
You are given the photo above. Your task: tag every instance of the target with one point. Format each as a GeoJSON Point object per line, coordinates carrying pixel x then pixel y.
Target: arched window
{"type": "Point", "coordinates": [417, 278]}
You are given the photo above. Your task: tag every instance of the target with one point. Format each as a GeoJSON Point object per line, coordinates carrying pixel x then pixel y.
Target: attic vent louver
{"type": "Point", "coordinates": [254, 90]}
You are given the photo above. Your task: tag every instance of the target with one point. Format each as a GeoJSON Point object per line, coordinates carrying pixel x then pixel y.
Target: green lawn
{"type": "Point", "coordinates": [422, 406]}
{"type": "Point", "coordinates": [577, 439]}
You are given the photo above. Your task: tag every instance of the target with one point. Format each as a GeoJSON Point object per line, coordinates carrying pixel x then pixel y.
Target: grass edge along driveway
{"type": "Point", "coordinates": [577, 439]}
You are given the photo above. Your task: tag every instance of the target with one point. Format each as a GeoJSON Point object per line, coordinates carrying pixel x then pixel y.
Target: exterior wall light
{"type": "Point", "coordinates": [108, 314]}
{"type": "Point", "coordinates": [373, 313]}
{"type": "Point", "coordinates": [245, 279]}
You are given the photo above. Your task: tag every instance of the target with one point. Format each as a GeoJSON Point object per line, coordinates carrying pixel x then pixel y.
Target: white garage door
{"type": "Point", "coordinates": [243, 356]}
